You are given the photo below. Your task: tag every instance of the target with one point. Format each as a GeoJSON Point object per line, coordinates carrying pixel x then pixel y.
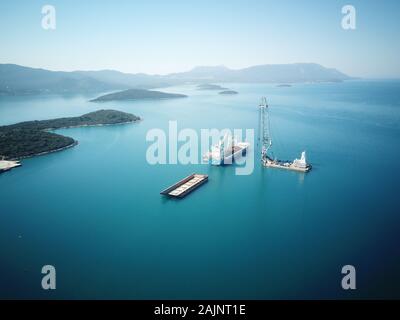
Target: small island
{"type": "Point", "coordinates": [208, 86]}
{"type": "Point", "coordinates": [228, 92]}
{"type": "Point", "coordinates": [32, 138]}
{"type": "Point", "coordinates": [137, 94]}
{"type": "Point", "coordinates": [284, 85]}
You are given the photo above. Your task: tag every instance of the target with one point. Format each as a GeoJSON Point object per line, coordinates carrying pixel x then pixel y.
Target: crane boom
{"type": "Point", "coordinates": [264, 133]}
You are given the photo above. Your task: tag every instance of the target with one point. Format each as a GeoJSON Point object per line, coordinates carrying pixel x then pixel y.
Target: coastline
{"type": "Point", "coordinates": [94, 125]}
{"type": "Point", "coordinates": [46, 152]}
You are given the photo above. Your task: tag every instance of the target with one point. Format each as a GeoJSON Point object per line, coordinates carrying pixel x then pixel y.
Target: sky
{"type": "Point", "coordinates": [160, 37]}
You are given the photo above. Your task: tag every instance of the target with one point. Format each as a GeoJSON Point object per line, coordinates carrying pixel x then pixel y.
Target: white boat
{"type": "Point", "coordinates": [226, 151]}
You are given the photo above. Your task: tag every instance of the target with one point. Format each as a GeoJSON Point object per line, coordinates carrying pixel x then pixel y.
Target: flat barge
{"type": "Point", "coordinates": [185, 186]}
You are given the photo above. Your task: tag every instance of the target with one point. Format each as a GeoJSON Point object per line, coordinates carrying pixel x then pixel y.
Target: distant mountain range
{"type": "Point", "coordinates": [17, 80]}
{"type": "Point", "coordinates": [275, 73]}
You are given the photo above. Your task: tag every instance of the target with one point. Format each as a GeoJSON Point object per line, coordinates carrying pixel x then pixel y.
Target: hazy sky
{"type": "Point", "coordinates": [171, 36]}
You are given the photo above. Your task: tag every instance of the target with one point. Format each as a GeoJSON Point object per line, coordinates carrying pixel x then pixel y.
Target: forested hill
{"type": "Point", "coordinates": [26, 139]}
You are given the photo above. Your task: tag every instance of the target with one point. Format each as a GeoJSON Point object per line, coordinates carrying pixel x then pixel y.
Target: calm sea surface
{"type": "Point", "coordinates": [95, 212]}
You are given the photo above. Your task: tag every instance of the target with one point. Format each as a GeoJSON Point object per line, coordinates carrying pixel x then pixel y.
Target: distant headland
{"type": "Point", "coordinates": [32, 138]}
{"type": "Point", "coordinates": [137, 94]}
{"type": "Point", "coordinates": [208, 86]}
{"type": "Point", "coordinates": [216, 87]}
{"type": "Point", "coordinates": [228, 92]}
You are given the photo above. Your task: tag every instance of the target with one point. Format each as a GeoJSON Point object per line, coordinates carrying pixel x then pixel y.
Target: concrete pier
{"type": "Point", "coordinates": [8, 165]}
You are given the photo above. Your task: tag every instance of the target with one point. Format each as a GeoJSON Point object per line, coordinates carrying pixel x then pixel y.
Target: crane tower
{"type": "Point", "coordinates": [264, 133]}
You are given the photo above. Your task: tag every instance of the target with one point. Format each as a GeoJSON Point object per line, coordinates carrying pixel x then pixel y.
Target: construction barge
{"type": "Point", "coordinates": [226, 151]}
{"type": "Point", "coordinates": [299, 165]}
{"type": "Point", "coordinates": [185, 186]}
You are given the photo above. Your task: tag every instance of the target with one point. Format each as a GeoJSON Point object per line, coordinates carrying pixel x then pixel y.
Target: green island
{"type": "Point", "coordinates": [31, 138]}
{"type": "Point", "coordinates": [137, 94]}
{"type": "Point", "coordinates": [229, 92]}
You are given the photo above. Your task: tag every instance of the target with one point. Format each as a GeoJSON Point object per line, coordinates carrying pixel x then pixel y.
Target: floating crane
{"type": "Point", "coordinates": [300, 165]}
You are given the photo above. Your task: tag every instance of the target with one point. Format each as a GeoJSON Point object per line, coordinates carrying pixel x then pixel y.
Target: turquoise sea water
{"type": "Point", "coordinates": [95, 212]}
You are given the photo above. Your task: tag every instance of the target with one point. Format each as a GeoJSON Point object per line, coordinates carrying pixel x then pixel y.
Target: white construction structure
{"type": "Point", "coordinates": [226, 151]}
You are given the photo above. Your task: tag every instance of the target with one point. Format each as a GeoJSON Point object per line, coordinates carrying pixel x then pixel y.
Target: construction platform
{"type": "Point", "coordinates": [288, 165]}
{"type": "Point", "coordinates": [185, 186]}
